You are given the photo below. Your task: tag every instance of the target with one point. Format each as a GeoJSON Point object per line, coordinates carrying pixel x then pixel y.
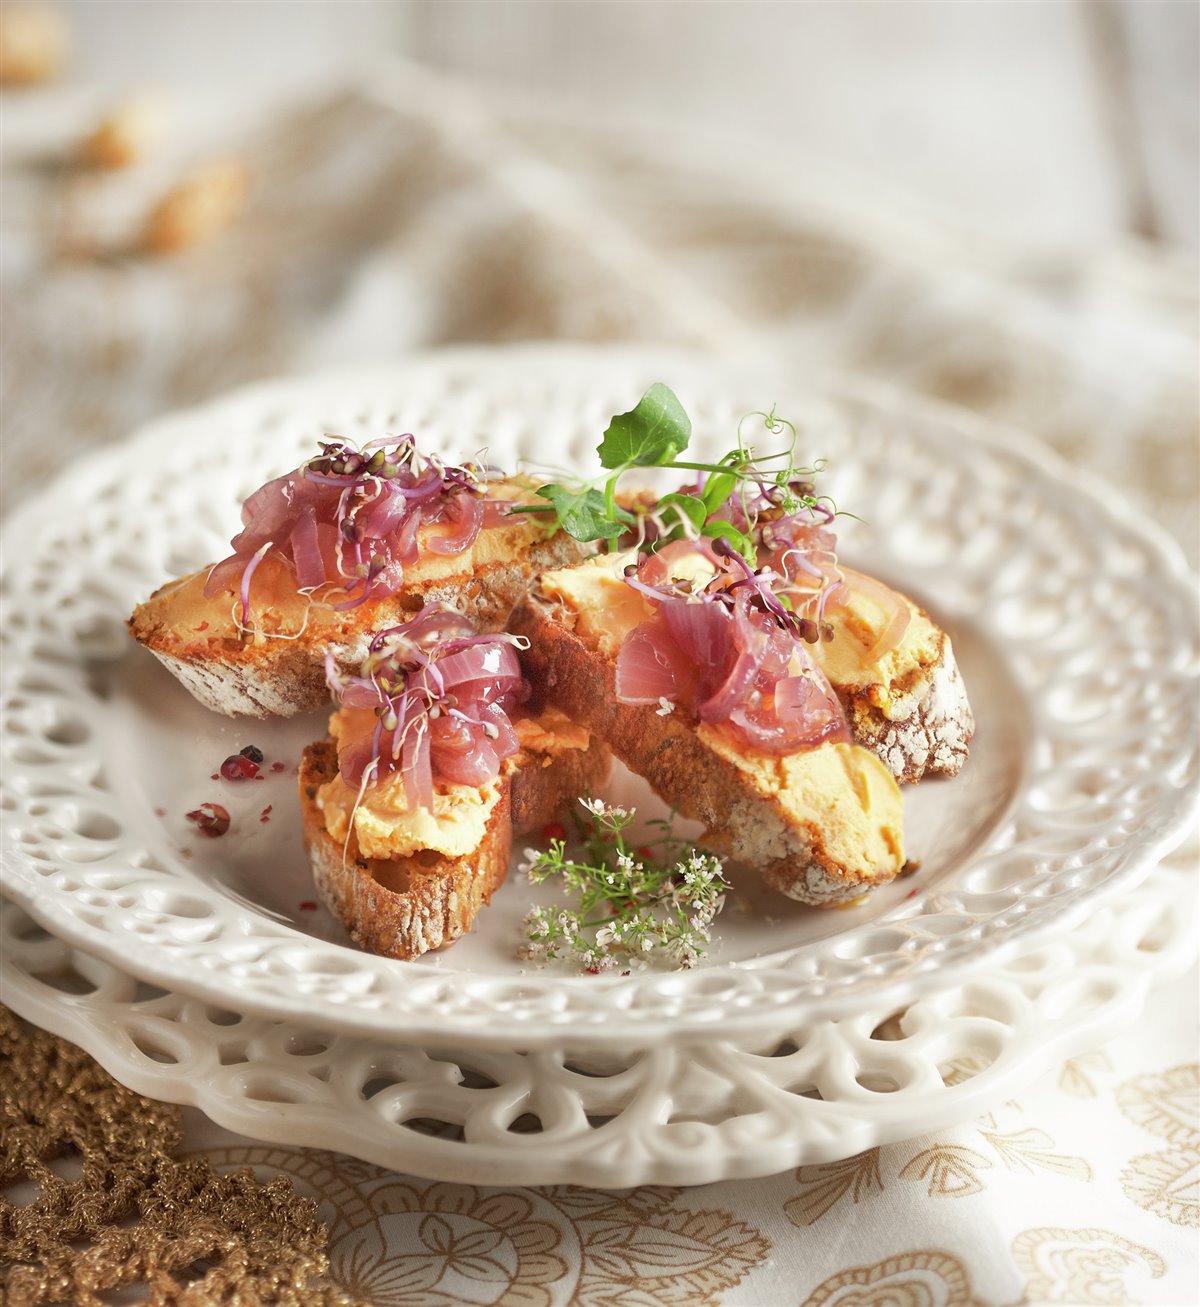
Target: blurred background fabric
{"type": "Point", "coordinates": [989, 204]}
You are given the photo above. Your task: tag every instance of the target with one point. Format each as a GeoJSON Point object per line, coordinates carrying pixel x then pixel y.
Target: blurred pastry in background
{"type": "Point", "coordinates": [34, 41]}
{"type": "Point", "coordinates": [131, 130]}
{"type": "Point", "coordinates": [198, 208]}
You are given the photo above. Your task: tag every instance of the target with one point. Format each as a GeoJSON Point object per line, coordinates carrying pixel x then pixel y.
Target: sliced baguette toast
{"type": "Point", "coordinates": [279, 670]}
{"type": "Point", "coordinates": [403, 907]}
{"type": "Point", "coordinates": [909, 706]}
{"type": "Point", "coordinates": [822, 827]}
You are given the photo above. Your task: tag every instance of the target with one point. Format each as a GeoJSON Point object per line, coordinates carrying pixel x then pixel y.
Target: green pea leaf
{"type": "Point", "coordinates": [717, 490]}
{"type": "Point", "coordinates": [687, 506]}
{"type": "Point", "coordinates": [582, 513]}
{"type": "Point", "coordinates": [652, 433]}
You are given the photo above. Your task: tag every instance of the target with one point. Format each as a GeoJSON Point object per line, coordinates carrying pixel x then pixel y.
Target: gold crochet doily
{"type": "Point", "coordinates": [110, 1205]}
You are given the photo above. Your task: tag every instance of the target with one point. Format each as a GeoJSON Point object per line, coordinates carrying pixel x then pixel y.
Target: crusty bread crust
{"type": "Point", "coordinates": [742, 820]}
{"type": "Point", "coordinates": [928, 728]}
{"type": "Point", "coordinates": [279, 678]}
{"type": "Point", "coordinates": [404, 907]}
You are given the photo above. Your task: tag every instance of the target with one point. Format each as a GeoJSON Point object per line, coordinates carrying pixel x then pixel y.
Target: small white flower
{"type": "Point", "coordinates": [665, 706]}
{"type": "Point", "coordinates": [684, 952]}
{"type": "Point", "coordinates": [536, 923]}
{"type": "Point", "coordinates": [594, 806]}
{"type": "Point", "coordinates": [626, 863]}
{"type": "Point", "coordinates": [605, 936]}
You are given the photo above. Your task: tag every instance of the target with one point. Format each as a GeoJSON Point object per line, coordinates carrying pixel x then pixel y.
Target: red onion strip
{"type": "Point", "coordinates": [251, 568]}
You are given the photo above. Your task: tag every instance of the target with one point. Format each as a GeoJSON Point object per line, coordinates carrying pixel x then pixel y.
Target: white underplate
{"type": "Point", "coordinates": [727, 1109]}
{"type": "Point", "coordinates": [1075, 627]}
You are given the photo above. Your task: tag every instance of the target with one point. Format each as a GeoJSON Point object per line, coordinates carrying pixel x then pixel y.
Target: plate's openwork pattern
{"type": "Point", "coordinates": [726, 1109]}
{"type": "Point", "coordinates": [1091, 611]}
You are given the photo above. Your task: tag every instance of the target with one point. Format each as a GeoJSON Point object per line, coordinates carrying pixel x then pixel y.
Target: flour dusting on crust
{"type": "Point", "coordinates": [932, 737]}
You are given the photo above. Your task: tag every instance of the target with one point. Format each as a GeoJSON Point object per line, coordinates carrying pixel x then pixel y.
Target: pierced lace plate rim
{"type": "Point", "coordinates": [752, 1008]}
{"type": "Point", "coordinates": [1045, 1005]}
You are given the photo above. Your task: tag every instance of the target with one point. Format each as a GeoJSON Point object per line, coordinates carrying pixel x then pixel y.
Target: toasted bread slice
{"type": "Point", "coordinates": [822, 826]}
{"type": "Point", "coordinates": [404, 906]}
{"type": "Point", "coordinates": [908, 706]}
{"type": "Point", "coordinates": [279, 670]}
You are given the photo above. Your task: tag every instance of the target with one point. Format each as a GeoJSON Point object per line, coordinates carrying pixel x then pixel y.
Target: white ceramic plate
{"type": "Point", "coordinates": [661, 1115]}
{"type": "Point", "coordinates": [1075, 628]}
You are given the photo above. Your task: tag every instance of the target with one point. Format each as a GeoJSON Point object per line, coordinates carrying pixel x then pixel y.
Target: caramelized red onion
{"type": "Point", "coordinates": [804, 553]}
{"type": "Point", "coordinates": [350, 519]}
{"type": "Point", "coordinates": [724, 649]}
{"type": "Point", "coordinates": [439, 696]}
{"type": "Point", "coordinates": [466, 513]}
{"type": "Point", "coordinates": [896, 612]}
{"type": "Point", "coordinates": [649, 667]}
{"type": "Point", "coordinates": [247, 575]}
{"type": "Point", "coordinates": [797, 551]}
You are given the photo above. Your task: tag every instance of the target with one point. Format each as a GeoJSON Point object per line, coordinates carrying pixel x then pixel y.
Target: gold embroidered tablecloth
{"type": "Point", "coordinates": [405, 212]}
{"type": "Point", "coordinates": [1082, 1189]}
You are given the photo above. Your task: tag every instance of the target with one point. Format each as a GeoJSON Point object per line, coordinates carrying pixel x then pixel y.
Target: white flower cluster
{"type": "Point", "coordinates": [630, 905]}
